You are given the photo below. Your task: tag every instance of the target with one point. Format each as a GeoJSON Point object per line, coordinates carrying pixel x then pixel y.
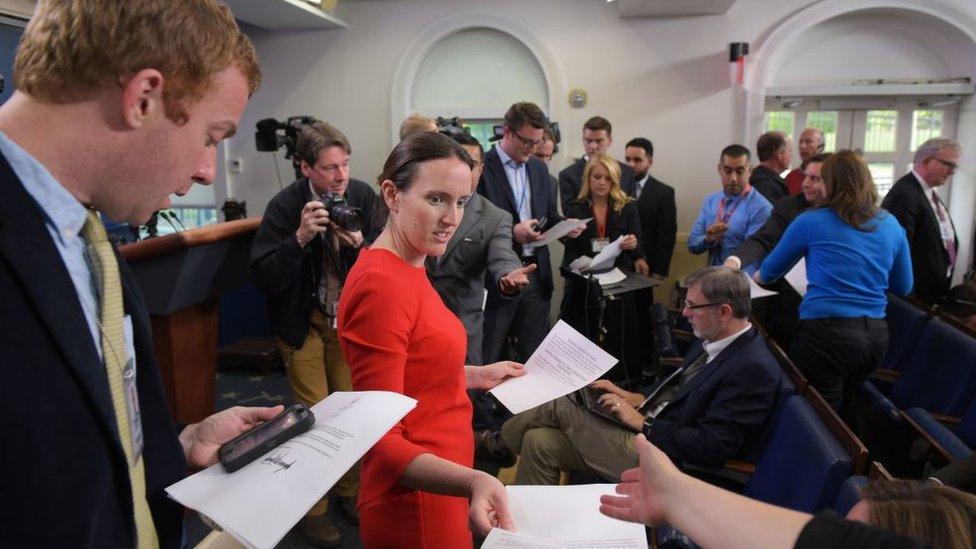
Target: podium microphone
{"type": "Point", "coordinates": [176, 218]}
{"type": "Point", "coordinates": [166, 217]}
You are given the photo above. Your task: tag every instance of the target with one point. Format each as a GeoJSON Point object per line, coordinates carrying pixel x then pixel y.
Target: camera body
{"type": "Point", "coordinates": [342, 214]}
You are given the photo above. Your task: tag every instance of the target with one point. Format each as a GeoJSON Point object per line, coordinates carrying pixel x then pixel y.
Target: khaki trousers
{"type": "Point", "coordinates": [315, 369]}
{"type": "Point", "coordinates": [561, 436]}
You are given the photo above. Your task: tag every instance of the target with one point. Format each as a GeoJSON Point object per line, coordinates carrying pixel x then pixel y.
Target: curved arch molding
{"type": "Point", "coordinates": [417, 50]}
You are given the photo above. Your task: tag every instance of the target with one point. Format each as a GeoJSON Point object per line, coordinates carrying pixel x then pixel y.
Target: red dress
{"type": "Point", "coordinates": [397, 335]}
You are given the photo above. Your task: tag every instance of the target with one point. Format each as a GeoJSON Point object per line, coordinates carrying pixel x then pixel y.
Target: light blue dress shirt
{"type": "Point", "coordinates": [518, 179]}
{"type": "Point", "coordinates": [64, 218]}
{"type": "Point", "coordinates": [749, 213]}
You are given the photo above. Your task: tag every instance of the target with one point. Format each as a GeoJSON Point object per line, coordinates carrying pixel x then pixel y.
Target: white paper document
{"type": "Point", "coordinates": [260, 503]}
{"type": "Point", "coordinates": [564, 517]}
{"type": "Point", "coordinates": [797, 276]}
{"type": "Point", "coordinates": [611, 277]}
{"type": "Point", "coordinates": [566, 361]}
{"type": "Point", "coordinates": [558, 231]}
{"type": "Point", "coordinates": [755, 290]}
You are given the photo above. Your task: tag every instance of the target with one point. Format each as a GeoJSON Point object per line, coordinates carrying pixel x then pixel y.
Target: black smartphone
{"type": "Point", "coordinates": [540, 224]}
{"type": "Point", "coordinates": [260, 440]}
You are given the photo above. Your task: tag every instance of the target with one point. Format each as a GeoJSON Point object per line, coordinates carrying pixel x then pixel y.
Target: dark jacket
{"type": "Point", "coordinates": [757, 246]}
{"type": "Point", "coordinates": [659, 224]}
{"type": "Point", "coordinates": [618, 224]}
{"type": "Point", "coordinates": [930, 260]}
{"type": "Point", "coordinates": [66, 480]}
{"type": "Point", "coordinates": [495, 187]}
{"type": "Point", "coordinates": [571, 181]}
{"type": "Point", "coordinates": [289, 274]}
{"type": "Point", "coordinates": [722, 409]}
{"type": "Point", "coordinates": [768, 183]}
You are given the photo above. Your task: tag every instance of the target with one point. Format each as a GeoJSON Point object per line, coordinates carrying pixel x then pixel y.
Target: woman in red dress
{"type": "Point", "coordinates": [397, 335]}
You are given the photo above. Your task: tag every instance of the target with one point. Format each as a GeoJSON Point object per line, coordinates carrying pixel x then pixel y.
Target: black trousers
{"type": "Point", "coordinates": [838, 354]}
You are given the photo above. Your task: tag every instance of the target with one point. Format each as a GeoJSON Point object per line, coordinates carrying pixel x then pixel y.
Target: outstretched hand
{"type": "Point", "coordinates": [514, 281]}
{"type": "Point", "coordinates": [644, 489]}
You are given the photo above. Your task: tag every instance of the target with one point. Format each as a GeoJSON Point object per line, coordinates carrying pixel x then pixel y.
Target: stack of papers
{"type": "Point", "coordinates": [609, 278]}
{"type": "Point", "coordinates": [564, 362]}
{"type": "Point", "coordinates": [564, 517]}
{"type": "Point", "coordinates": [260, 503]}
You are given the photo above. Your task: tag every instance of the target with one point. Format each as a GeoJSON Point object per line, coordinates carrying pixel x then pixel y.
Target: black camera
{"type": "Point", "coordinates": [342, 214]}
{"type": "Point", "coordinates": [271, 135]}
{"type": "Point", "coordinates": [451, 126]}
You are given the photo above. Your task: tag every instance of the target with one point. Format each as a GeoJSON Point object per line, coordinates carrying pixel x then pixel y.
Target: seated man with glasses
{"type": "Point", "coordinates": [931, 234]}
{"type": "Point", "coordinates": [704, 413]}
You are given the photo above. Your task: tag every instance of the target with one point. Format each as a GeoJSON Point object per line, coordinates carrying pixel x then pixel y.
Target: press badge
{"type": "Point", "coordinates": [598, 244]}
{"type": "Point", "coordinates": [131, 391]}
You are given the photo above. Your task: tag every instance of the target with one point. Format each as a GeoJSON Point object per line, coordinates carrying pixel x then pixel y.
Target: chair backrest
{"type": "Point", "coordinates": [788, 366]}
{"type": "Point", "coordinates": [856, 449]}
{"type": "Point", "coordinates": [803, 465]}
{"type": "Point", "coordinates": [905, 321]}
{"type": "Point", "coordinates": [752, 454]}
{"type": "Point", "coordinates": [663, 332]}
{"type": "Point", "coordinates": [940, 375]}
{"type": "Point", "coordinates": [966, 430]}
{"type": "Point", "coordinates": [849, 494]}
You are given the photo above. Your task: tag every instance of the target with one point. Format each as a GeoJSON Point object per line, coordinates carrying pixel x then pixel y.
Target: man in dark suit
{"type": "Point", "coordinates": [517, 182]}
{"type": "Point", "coordinates": [775, 152]}
{"type": "Point", "coordinates": [597, 138]}
{"type": "Point", "coordinates": [479, 260]}
{"type": "Point", "coordinates": [655, 207]}
{"type": "Point", "coordinates": [931, 235]}
{"type": "Point", "coordinates": [89, 444]}
{"type": "Point", "coordinates": [780, 313]}
{"type": "Point", "coordinates": [545, 151]}
{"type": "Point", "coordinates": [705, 412]}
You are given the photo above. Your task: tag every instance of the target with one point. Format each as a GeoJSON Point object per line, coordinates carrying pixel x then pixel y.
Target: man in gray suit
{"type": "Point", "coordinates": [479, 255]}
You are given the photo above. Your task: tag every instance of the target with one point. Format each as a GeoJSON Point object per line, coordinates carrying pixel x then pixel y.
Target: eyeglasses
{"type": "Point", "coordinates": [951, 165]}
{"type": "Point", "coordinates": [691, 307]}
{"type": "Point", "coordinates": [526, 142]}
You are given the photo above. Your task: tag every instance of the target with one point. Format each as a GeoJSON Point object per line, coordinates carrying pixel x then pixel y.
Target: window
{"type": "Point", "coordinates": [482, 130]}
{"type": "Point", "coordinates": [825, 121]}
{"type": "Point", "coordinates": [880, 131]}
{"type": "Point", "coordinates": [779, 121]}
{"type": "Point", "coordinates": [926, 124]}
{"type": "Point", "coordinates": [886, 130]}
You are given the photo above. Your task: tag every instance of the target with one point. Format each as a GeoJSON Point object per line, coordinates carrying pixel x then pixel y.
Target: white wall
{"type": "Point", "coordinates": [666, 79]}
{"type": "Point", "coordinates": [662, 78]}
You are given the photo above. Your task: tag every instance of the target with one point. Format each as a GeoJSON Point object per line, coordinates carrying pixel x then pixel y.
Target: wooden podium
{"type": "Point", "coordinates": [182, 275]}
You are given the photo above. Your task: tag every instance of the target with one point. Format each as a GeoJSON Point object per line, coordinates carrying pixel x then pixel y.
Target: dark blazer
{"type": "Point", "coordinates": [65, 478]}
{"type": "Point", "coordinates": [571, 181]}
{"type": "Point", "coordinates": [618, 224]}
{"type": "Point", "coordinates": [930, 260]}
{"type": "Point", "coordinates": [722, 409]}
{"type": "Point", "coordinates": [478, 255]}
{"type": "Point", "coordinates": [757, 246]}
{"type": "Point", "coordinates": [495, 187]}
{"type": "Point", "coordinates": [768, 183]}
{"type": "Point", "coordinates": [289, 274]}
{"type": "Point", "coordinates": [659, 224]}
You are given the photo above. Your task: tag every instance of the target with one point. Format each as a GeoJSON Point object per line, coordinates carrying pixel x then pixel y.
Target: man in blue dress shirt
{"type": "Point", "coordinates": [730, 216]}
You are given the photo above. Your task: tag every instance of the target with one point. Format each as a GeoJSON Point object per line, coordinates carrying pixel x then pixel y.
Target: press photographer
{"type": "Point", "coordinates": [308, 240]}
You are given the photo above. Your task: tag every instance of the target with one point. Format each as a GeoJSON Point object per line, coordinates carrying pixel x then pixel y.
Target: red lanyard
{"type": "Point", "coordinates": [724, 217]}
{"type": "Point", "coordinates": [601, 222]}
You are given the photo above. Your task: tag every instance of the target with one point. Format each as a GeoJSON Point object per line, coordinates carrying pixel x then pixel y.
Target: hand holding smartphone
{"type": "Point", "coordinates": [260, 440]}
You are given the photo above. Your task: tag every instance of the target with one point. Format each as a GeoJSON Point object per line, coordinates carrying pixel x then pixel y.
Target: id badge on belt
{"type": "Point", "coordinates": [597, 244]}
{"type": "Point", "coordinates": [132, 391]}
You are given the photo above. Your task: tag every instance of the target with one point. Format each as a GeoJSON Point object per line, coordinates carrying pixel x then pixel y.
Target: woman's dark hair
{"type": "Point", "coordinates": [850, 188]}
{"type": "Point", "coordinates": [406, 158]}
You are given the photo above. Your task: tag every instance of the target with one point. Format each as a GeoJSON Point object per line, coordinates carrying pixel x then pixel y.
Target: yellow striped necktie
{"type": "Point", "coordinates": [106, 273]}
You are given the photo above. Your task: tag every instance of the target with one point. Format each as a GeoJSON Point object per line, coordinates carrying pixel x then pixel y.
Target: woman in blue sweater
{"type": "Point", "coordinates": [855, 253]}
